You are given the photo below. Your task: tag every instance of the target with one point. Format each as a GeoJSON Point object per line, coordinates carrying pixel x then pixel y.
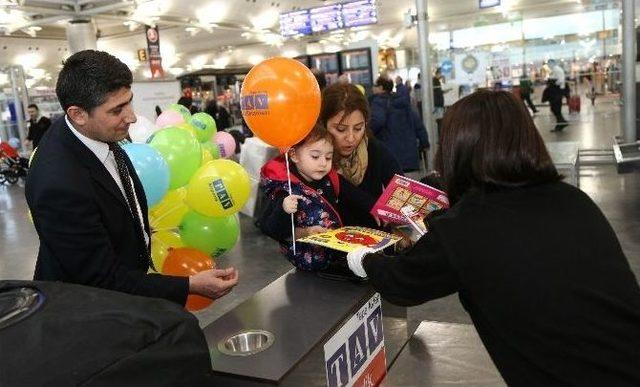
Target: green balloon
{"type": "Point", "coordinates": [214, 236]}
{"type": "Point", "coordinates": [181, 150]}
{"type": "Point", "coordinates": [205, 126]}
{"type": "Point", "coordinates": [212, 148]}
{"type": "Point", "coordinates": [184, 112]}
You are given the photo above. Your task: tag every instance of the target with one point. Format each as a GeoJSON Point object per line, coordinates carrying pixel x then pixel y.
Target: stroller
{"type": "Point", "coordinates": [12, 166]}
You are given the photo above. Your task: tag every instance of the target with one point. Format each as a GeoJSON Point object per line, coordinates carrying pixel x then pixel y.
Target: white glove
{"type": "Point", "coordinates": [354, 259]}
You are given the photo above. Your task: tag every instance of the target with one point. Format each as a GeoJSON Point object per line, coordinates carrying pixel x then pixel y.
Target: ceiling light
{"type": "Point", "coordinates": [221, 62]}
{"type": "Point", "coordinates": [255, 59]}
{"type": "Point", "coordinates": [213, 13]}
{"type": "Point", "coordinates": [192, 30]}
{"type": "Point", "coordinates": [265, 20]}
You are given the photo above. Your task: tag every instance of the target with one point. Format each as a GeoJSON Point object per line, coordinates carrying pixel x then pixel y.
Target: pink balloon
{"type": "Point", "coordinates": [226, 143]}
{"type": "Point", "coordinates": [169, 117]}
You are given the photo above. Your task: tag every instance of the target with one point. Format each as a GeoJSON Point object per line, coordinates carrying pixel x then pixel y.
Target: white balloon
{"type": "Point", "coordinates": [141, 130]}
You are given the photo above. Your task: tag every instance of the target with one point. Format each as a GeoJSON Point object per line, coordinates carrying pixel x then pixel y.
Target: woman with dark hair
{"type": "Point", "coordinates": [360, 158]}
{"type": "Point", "coordinates": [552, 308]}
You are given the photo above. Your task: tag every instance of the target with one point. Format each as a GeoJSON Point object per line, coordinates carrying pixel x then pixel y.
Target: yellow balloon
{"type": "Point", "coordinates": [161, 242]}
{"type": "Point", "coordinates": [188, 127]}
{"type": "Point", "coordinates": [206, 156]}
{"type": "Point", "coordinates": [219, 188]}
{"type": "Point", "coordinates": [361, 88]}
{"type": "Point", "coordinates": [168, 214]}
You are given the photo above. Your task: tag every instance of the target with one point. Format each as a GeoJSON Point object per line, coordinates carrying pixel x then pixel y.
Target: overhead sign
{"type": "Point", "coordinates": [359, 13]}
{"type": "Point", "coordinates": [153, 44]}
{"type": "Point", "coordinates": [294, 23]}
{"type": "Point", "coordinates": [328, 17]}
{"type": "Point", "coordinates": [355, 355]}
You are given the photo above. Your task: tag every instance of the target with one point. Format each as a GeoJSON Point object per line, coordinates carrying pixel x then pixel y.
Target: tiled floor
{"type": "Point", "coordinates": [259, 262]}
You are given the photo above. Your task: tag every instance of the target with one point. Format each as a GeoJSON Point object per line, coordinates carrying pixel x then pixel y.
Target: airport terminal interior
{"type": "Point", "coordinates": [199, 55]}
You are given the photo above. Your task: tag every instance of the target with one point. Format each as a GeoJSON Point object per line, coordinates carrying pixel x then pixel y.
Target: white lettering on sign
{"type": "Point", "coordinates": [355, 354]}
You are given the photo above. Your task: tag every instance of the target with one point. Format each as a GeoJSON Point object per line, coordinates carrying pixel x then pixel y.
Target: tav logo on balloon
{"type": "Point", "coordinates": [220, 192]}
{"type": "Point", "coordinates": [255, 104]}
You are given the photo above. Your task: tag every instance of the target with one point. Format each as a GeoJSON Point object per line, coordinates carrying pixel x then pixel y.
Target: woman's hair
{"type": "Point", "coordinates": [342, 97]}
{"type": "Point", "coordinates": [319, 132]}
{"type": "Point", "coordinates": [489, 140]}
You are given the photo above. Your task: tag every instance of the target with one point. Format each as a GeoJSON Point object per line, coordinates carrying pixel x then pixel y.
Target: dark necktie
{"type": "Point", "coordinates": [123, 171]}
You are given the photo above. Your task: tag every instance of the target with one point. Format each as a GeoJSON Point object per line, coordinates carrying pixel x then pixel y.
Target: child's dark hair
{"type": "Point", "coordinates": [319, 132]}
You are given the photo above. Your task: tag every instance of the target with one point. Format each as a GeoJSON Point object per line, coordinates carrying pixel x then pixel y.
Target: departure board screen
{"type": "Point", "coordinates": [326, 18]}
{"type": "Point", "coordinates": [294, 23]}
{"type": "Point", "coordinates": [359, 13]}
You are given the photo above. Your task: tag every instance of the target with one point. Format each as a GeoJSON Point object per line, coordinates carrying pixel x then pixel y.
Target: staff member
{"type": "Point", "coordinates": [88, 205]}
{"type": "Point", "coordinates": [552, 308]}
{"type": "Point", "coordinates": [38, 125]}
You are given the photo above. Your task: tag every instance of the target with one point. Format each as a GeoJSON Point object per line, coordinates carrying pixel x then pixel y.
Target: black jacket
{"type": "Point", "coordinates": [396, 123]}
{"type": "Point", "coordinates": [543, 277]}
{"type": "Point", "coordinates": [87, 234]}
{"type": "Point", "coordinates": [382, 166]}
{"type": "Point", "coordinates": [37, 130]}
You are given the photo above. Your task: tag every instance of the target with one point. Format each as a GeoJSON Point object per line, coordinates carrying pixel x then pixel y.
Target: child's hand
{"type": "Point", "coordinates": [290, 203]}
{"type": "Point", "coordinates": [316, 230]}
{"type": "Point", "coordinates": [302, 232]}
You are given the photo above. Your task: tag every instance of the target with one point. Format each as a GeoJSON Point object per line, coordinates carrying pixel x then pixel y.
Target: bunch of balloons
{"type": "Point", "coordinates": [193, 195]}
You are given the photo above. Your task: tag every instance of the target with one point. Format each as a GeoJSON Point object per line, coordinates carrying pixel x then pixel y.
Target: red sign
{"type": "Point", "coordinates": [153, 44]}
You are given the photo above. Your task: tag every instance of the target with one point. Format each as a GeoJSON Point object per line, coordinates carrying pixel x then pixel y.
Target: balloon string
{"type": "Point", "coordinates": [156, 220]}
{"type": "Point", "coordinates": [293, 228]}
{"type": "Point", "coordinates": [155, 230]}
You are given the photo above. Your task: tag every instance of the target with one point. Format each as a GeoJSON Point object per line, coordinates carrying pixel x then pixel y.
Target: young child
{"type": "Point", "coordinates": [318, 194]}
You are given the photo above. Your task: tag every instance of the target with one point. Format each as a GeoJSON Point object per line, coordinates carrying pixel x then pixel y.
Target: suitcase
{"type": "Point", "coordinates": [574, 104]}
{"type": "Point", "coordinates": [70, 335]}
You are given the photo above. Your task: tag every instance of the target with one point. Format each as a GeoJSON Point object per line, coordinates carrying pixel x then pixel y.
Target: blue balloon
{"type": "Point", "coordinates": [152, 170]}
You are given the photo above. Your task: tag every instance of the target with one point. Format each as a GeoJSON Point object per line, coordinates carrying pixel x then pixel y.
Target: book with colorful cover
{"type": "Point", "coordinates": [351, 238]}
{"type": "Point", "coordinates": [403, 192]}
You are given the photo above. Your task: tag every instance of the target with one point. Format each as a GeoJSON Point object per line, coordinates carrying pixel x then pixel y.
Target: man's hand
{"type": "Point", "coordinates": [290, 203]}
{"type": "Point", "coordinates": [213, 283]}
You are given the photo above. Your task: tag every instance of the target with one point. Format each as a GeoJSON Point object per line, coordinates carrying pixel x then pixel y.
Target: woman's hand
{"type": "Point", "coordinates": [290, 203]}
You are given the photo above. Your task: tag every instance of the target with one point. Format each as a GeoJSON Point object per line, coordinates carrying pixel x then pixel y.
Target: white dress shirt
{"type": "Point", "coordinates": [106, 157]}
{"type": "Point", "coordinates": [557, 73]}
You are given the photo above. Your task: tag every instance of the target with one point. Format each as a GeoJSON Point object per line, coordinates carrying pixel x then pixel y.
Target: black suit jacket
{"type": "Point", "coordinates": [87, 234]}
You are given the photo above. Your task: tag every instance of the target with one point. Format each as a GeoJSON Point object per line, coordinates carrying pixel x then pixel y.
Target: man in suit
{"type": "Point", "coordinates": [87, 202]}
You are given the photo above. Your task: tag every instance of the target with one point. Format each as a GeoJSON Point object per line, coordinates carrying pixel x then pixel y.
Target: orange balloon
{"type": "Point", "coordinates": [280, 101]}
{"type": "Point", "coordinates": [186, 261]}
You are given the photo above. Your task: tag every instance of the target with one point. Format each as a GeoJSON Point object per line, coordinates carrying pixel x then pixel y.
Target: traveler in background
{"type": "Point", "coordinates": [395, 123]}
{"type": "Point", "coordinates": [220, 115]}
{"type": "Point", "coordinates": [551, 308]}
{"type": "Point", "coordinates": [38, 125]}
{"type": "Point", "coordinates": [417, 91]}
{"type": "Point", "coordinates": [526, 89]}
{"type": "Point", "coordinates": [554, 94]}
